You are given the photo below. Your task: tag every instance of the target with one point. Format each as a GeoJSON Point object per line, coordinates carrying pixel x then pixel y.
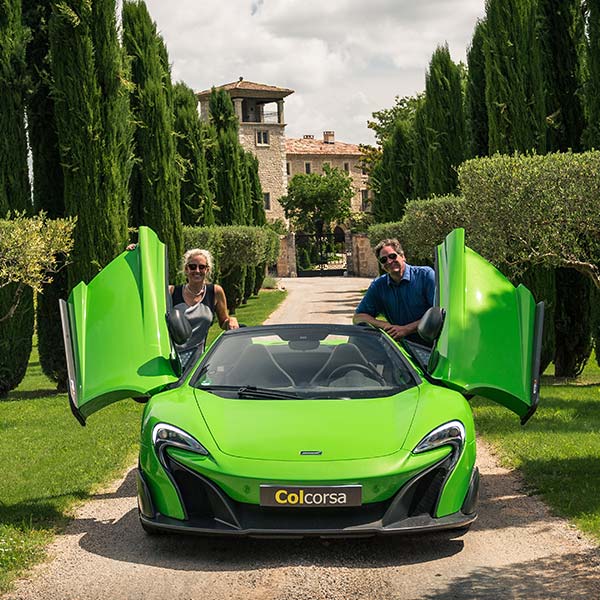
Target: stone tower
{"type": "Point", "coordinates": [259, 109]}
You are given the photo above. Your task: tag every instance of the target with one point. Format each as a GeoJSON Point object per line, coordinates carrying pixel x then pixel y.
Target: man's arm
{"type": "Point", "coordinates": [366, 318]}
{"type": "Point", "coordinates": [397, 332]}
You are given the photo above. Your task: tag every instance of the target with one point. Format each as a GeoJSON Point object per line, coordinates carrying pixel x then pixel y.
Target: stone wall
{"type": "Point", "coordinates": [361, 258]}
{"type": "Point", "coordinates": [286, 263]}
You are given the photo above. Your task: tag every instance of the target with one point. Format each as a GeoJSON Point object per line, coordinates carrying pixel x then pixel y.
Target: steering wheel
{"type": "Point", "coordinates": [368, 371]}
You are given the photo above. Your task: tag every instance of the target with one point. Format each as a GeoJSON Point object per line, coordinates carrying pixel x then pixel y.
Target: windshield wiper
{"type": "Point", "coordinates": [251, 391]}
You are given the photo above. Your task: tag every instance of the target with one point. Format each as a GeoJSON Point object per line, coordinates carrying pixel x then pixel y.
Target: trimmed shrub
{"type": "Point", "coordinates": [425, 225]}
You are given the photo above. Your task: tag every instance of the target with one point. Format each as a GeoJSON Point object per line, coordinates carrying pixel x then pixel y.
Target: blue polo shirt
{"type": "Point", "coordinates": [404, 302]}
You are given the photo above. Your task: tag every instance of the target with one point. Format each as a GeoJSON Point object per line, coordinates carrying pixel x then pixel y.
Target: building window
{"type": "Point", "coordinates": [262, 138]}
{"type": "Point", "coordinates": [307, 168]}
{"type": "Point", "coordinates": [267, 200]}
{"type": "Point", "coordinates": [288, 168]}
{"type": "Point", "coordinates": [364, 196]}
{"type": "Point", "coordinates": [347, 167]}
{"type": "Point", "coordinates": [364, 171]}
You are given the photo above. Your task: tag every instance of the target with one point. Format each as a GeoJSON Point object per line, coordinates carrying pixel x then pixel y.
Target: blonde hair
{"type": "Point", "coordinates": [197, 252]}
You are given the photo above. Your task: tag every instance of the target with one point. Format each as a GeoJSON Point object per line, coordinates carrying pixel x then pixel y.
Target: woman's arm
{"type": "Point", "coordinates": [225, 321]}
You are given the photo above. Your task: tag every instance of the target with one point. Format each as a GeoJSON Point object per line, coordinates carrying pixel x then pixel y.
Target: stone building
{"type": "Point", "coordinates": [259, 108]}
{"type": "Point", "coordinates": [309, 155]}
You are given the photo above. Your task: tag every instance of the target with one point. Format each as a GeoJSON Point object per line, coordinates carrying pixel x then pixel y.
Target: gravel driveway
{"type": "Point", "coordinates": [516, 549]}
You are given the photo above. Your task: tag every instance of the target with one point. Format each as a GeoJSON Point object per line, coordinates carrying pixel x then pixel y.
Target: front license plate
{"type": "Point", "coordinates": [284, 496]}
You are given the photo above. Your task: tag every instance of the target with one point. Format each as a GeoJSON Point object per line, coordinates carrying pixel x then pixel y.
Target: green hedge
{"type": "Point", "coordinates": [425, 225]}
{"type": "Point", "coordinates": [241, 255]}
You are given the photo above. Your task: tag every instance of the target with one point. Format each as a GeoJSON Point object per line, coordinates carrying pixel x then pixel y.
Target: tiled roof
{"type": "Point", "coordinates": [243, 85]}
{"type": "Point", "coordinates": [312, 146]}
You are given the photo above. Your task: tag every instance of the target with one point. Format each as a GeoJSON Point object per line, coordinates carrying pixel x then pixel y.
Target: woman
{"type": "Point", "coordinates": [199, 300]}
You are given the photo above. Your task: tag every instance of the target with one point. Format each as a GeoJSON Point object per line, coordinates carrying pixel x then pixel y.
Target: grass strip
{"type": "Point", "coordinates": [558, 450]}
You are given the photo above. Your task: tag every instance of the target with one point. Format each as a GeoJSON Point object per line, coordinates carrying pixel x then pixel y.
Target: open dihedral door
{"type": "Point", "coordinates": [115, 332]}
{"type": "Point", "coordinates": [490, 341]}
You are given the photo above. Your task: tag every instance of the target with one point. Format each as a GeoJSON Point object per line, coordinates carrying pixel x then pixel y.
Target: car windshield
{"type": "Point", "coordinates": [293, 361]}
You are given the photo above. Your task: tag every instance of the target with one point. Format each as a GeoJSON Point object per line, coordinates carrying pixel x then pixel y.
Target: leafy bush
{"type": "Point", "coordinates": [523, 210]}
{"type": "Point", "coordinates": [425, 225]}
{"type": "Point", "coordinates": [235, 249]}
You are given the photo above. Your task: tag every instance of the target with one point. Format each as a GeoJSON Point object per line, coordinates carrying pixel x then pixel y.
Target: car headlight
{"type": "Point", "coordinates": [164, 435]}
{"type": "Point", "coordinates": [449, 434]}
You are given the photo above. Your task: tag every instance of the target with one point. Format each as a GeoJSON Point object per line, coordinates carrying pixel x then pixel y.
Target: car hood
{"type": "Point", "coordinates": [282, 429]}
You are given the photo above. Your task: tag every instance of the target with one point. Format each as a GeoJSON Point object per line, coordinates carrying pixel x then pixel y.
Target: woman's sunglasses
{"type": "Point", "coordinates": [391, 256]}
{"type": "Point", "coordinates": [194, 266]}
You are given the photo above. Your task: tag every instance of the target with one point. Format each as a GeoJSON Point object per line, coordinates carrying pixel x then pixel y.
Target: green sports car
{"type": "Point", "coordinates": [298, 430]}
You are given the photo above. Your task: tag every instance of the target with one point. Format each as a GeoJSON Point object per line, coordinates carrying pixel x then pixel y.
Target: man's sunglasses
{"type": "Point", "coordinates": [194, 266]}
{"type": "Point", "coordinates": [390, 256]}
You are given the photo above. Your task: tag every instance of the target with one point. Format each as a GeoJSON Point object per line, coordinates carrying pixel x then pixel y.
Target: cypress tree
{"type": "Point", "coordinates": [228, 162]}
{"type": "Point", "coordinates": [514, 82]}
{"type": "Point", "coordinates": [592, 84]}
{"type": "Point", "coordinates": [444, 118]}
{"type": "Point", "coordinates": [196, 198]}
{"type": "Point", "coordinates": [89, 105]}
{"type": "Point", "coordinates": [476, 117]}
{"type": "Point", "coordinates": [564, 112]}
{"type": "Point", "coordinates": [421, 143]}
{"type": "Point", "coordinates": [155, 181]}
{"type": "Point", "coordinates": [258, 218]}
{"type": "Point", "coordinates": [48, 187]}
{"type": "Point", "coordinates": [16, 332]}
{"type": "Point", "coordinates": [394, 174]}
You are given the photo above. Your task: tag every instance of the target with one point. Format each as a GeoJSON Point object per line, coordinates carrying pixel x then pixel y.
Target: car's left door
{"type": "Point", "coordinates": [115, 330]}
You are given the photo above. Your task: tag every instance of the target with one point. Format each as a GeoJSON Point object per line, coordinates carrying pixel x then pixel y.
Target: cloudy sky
{"type": "Point", "coordinates": [344, 59]}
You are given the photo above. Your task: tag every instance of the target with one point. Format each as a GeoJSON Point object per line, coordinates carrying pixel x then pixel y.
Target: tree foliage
{"type": "Point", "coordinates": [155, 180]}
{"type": "Point", "coordinates": [514, 80]}
{"type": "Point", "coordinates": [16, 301]}
{"type": "Point", "coordinates": [536, 210]}
{"type": "Point", "coordinates": [445, 123]}
{"type": "Point", "coordinates": [393, 174]}
{"type": "Point", "coordinates": [314, 196]}
{"type": "Point", "coordinates": [92, 119]}
{"type": "Point", "coordinates": [564, 111]}
{"type": "Point", "coordinates": [14, 179]}
{"type": "Point", "coordinates": [228, 162]}
{"type": "Point", "coordinates": [196, 197]}
{"type": "Point", "coordinates": [592, 82]}
{"type": "Point", "coordinates": [476, 117]}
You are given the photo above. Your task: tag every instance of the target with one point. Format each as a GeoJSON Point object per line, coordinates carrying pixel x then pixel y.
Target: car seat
{"type": "Point", "coordinates": [256, 367]}
{"type": "Point", "coordinates": [341, 356]}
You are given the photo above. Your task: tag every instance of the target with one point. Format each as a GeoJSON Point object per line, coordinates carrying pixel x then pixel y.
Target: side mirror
{"type": "Point", "coordinates": [179, 327]}
{"type": "Point", "coordinates": [430, 325]}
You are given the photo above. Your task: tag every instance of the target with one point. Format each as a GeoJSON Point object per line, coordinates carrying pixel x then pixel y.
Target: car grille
{"type": "Point", "coordinates": [205, 502]}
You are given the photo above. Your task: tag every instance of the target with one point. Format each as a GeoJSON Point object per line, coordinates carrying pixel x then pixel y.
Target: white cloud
{"type": "Point", "coordinates": [344, 59]}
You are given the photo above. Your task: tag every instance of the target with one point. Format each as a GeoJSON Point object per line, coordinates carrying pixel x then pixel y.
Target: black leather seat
{"type": "Point", "coordinates": [256, 367]}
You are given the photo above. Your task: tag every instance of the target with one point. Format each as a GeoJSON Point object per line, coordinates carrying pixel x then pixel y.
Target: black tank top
{"type": "Point", "coordinates": [209, 296]}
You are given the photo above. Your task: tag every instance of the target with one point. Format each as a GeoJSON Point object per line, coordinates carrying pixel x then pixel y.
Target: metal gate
{"type": "Point", "coordinates": [320, 254]}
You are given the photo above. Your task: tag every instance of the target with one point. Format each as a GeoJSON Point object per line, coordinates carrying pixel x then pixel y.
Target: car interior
{"type": "Point", "coordinates": [306, 364]}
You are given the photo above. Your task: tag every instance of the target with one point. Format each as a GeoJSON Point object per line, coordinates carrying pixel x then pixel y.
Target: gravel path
{"type": "Point", "coordinates": [516, 549]}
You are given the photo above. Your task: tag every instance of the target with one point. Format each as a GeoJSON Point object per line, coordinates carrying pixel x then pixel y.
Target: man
{"type": "Point", "coordinates": [402, 294]}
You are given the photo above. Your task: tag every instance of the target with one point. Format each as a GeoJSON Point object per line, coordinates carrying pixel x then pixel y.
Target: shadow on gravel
{"type": "Point", "coordinates": [542, 578]}
{"type": "Point", "coordinates": [124, 540]}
